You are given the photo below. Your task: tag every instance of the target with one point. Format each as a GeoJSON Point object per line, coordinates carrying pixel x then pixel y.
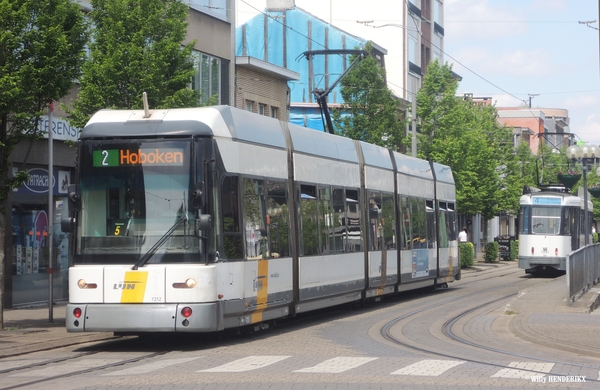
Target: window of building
{"type": "Point", "coordinates": [217, 8]}
{"type": "Point", "coordinates": [413, 41]}
{"type": "Point", "coordinates": [207, 77]}
{"type": "Point", "coordinates": [249, 105]}
{"type": "Point", "coordinates": [437, 12]}
{"type": "Point", "coordinates": [437, 48]}
{"type": "Point", "coordinates": [262, 108]}
{"type": "Point", "coordinates": [274, 112]}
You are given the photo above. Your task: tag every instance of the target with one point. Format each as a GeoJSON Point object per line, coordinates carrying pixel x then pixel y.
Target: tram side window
{"type": "Point", "coordinates": [254, 220]}
{"type": "Point", "coordinates": [278, 219]}
{"type": "Point", "coordinates": [430, 223]}
{"type": "Point", "coordinates": [451, 222]}
{"type": "Point", "coordinates": [339, 230]}
{"type": "Point", "coordinates": [308, 220]}
{"type": "Point", "coordinates": [569, 221]}
{"type": "Point", "coordinates": [326, 243]}
{"type": "Point", "coordinates": [375, 222]}
{"type": "Point", "coordinates": [354, 241]}
{"type": "Point", "coordinates": [443, 213]}
{"type": "Point", "coordinates": [524, 219]}
{"type": "Point", "coordinates": [388, 220]}
{"type": "Point", "coordinates": [232, 236]}
{"type": "Point", "coordinates": [406, 231]}
{"type": "Point", "coordinates": [418, 222]}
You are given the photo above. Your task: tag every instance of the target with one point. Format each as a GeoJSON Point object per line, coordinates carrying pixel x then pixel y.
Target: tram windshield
{"type": "Point", "coordinates": [135, 198]}
{"type": "Point", "coordinates": [545, 220]}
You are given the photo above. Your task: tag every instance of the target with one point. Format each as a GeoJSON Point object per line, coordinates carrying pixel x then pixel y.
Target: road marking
{"type": "Point", "coordinates": [146, 368]}
{"type": "Point", "coordinates": [337, 365]}
{"type": "Point", "coordinates": [520, 374]}
{"type": "Point", "coordinates": [428, 367]}
{"type": "Point", "coordinates": [247, 364]}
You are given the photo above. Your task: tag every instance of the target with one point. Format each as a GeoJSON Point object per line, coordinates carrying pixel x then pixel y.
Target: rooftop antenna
{"type": "Point", "coordinates": [146, 108]}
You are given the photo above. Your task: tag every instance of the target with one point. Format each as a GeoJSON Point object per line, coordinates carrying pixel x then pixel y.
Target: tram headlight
{"type": "Point", "coordinates": [189, 283]}
{"type": "Point", "coordinates": [82, 284]}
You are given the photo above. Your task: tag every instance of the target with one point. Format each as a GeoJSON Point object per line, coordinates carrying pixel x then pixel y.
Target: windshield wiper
{"type": "Point", "coordinates": [144, 259]}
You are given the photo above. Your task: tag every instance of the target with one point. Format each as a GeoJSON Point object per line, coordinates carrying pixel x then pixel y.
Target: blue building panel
{"type": "Point", "coordinates": [303, 32]}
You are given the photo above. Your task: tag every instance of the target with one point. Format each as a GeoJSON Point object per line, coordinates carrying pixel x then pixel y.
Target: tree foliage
{"type": "Point", "coordinates": [135, 48]}
{"type": "Point", "coordinates": [41, 52]}
{"type": "Point", "coordinates": [467, 137]}
{"type": "Point", "coordinates": [370, 112]}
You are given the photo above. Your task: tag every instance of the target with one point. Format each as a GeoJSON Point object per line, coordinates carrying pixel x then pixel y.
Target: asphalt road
{"type": "Point", "coordinates": [442, 339]}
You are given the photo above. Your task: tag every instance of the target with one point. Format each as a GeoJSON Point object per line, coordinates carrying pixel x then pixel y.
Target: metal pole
{"type": "Point", "coordinates": [50, 240]}
{"type": "Point", "coordinates": [585, 204]}
{"type": "Point", "coordinates": [414, 126]}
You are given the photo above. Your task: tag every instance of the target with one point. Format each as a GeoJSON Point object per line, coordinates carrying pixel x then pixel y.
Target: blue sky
{"type": "Point", "coordinates": [508, 49]}
{"type": "Point", "coordinates": [503, 49]}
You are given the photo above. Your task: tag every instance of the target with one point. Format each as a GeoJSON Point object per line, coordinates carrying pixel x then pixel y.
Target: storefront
{"type": "Point", "coordinates": [30, 244]}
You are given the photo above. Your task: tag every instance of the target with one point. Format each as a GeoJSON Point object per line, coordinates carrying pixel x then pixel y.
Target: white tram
{"type": "Point", "coordinates": [203, 219]}
{"type": "Point", "coordinates": [551, 225]}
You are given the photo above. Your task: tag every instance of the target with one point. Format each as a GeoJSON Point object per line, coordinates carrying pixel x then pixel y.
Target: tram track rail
{"type": "Point", "coordinates": [446, 329]}
{"type": "Point", "coordinates": [82, 371]}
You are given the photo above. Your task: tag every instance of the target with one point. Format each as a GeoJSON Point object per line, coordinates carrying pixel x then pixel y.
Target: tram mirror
{"type": "Point", "coordinates": [204, 222]}
{"type": "Point", "coordinates": [67, 225]}
{"type": "Point", "coordinates": [74, 197]}
{"type": "Point", "coordinates": [198, 195]}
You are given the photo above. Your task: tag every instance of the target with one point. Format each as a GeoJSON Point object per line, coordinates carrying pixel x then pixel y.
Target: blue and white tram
{"type": "Point", "coordinates": [204, 219]}
{"type": "Point", "coordinates": [551, 225]}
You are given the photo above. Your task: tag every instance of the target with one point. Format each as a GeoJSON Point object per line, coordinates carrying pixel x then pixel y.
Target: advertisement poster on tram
{"type": "Point", "coordinates": [420, 263]}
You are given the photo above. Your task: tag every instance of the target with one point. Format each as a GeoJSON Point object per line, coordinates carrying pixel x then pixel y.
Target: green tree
{"type": "Point", "coordinates": [41, 52]}
{"type": "Point", "coordinates": [136, 47]}
{"type": "Point", "coordinates": [373, 112]}
{"type": "Point", "coordinates": [468, 138]}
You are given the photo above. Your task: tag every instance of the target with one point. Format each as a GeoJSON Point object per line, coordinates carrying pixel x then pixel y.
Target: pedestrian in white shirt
{"type": "Point", "coordinates": [462, 236]}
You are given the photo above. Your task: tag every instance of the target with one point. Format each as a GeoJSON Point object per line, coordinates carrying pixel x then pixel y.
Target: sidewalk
{"type": "Point", "coordinates": [541, 316]}
{"type": "Point", "coordinates": [29, 330]}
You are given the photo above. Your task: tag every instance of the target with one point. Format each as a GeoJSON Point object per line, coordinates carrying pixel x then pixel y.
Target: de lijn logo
{"type": "Point", "coordinates": [38, 180]}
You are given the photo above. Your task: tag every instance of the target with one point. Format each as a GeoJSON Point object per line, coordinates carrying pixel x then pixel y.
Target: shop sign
{"type": "Point", "coordinates": [39, 179]}
{"type": "Point", "coordinates": [61, 128]}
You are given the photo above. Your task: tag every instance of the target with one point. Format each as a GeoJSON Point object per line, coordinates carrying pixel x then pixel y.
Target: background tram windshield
{"type": "Point", "coordinates": [545, 220]}
{"type": "Point", "coordinates": [132, 194]}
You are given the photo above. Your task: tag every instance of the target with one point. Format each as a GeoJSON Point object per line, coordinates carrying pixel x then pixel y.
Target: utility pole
{"type": "Point", "coordinates": [531, 95]}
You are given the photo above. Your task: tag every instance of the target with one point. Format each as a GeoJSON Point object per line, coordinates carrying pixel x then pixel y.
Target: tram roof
{"type": "Point", "coordinates": [566, 199]}
{"type": "Point", "coordinates": [217, 121]}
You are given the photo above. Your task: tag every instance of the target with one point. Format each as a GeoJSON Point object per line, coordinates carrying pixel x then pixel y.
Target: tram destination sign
{"type": "Point", "coordinates": [126, 157]}
{"type": "Point", "coordinates": [546, 200]}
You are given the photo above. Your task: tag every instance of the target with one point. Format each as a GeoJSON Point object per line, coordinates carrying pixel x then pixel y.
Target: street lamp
{"type": "Point", "coordinates": [584, 153]}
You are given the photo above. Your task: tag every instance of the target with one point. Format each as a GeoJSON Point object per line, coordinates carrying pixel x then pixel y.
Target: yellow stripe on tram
{"type": "Point", "coordinates": [263, 290]}
{"type": "Point", "coordinates": [134, 287]}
